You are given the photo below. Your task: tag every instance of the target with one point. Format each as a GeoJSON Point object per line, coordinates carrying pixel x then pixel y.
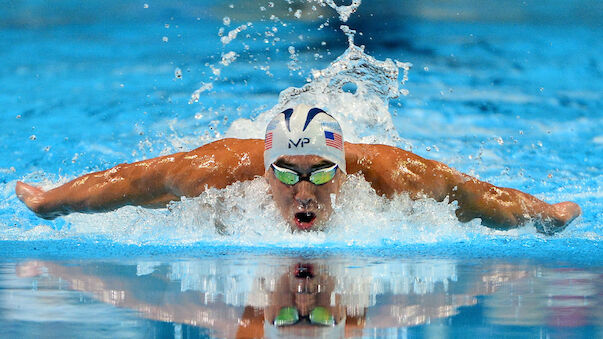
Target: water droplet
{"type": "Point", "coordinates": [32, 137]}
{"type": "Point", "coordinates": [166, 25]}
{"type": "Point", "coordinates": [228, 58]}
{"type": "Point", "coordinates": [500, 141]}
{"type": "Point", "coordinates": [298, 13]}
{"type": "Point", "coordinates": [226, 21]}
{"type": "Point", "coordinates": [164, 39]}
{"type": "Point", "coordinates": [178, 73]}
{"type": "Point", "coordinates": [146, 6]}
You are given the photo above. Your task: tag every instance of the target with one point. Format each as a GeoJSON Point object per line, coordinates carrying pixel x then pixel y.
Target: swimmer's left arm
{"type": "Point", "coordinates": [392, 170]}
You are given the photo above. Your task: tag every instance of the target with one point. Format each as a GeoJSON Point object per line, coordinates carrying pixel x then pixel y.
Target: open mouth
{"type": "Point", "coordinates": [304, 220]}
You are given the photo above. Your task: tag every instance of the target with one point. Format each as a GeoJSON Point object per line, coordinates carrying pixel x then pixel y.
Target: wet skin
{"type": "Point", "coordinates": [156, 182]}
{"type": "Point", "coordinates": [305, 206]}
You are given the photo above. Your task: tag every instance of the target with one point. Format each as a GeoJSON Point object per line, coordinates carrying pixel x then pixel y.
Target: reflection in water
{"type": "Point", "coordinates": [241, 297]}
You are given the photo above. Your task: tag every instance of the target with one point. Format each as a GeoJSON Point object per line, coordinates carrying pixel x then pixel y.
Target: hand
{"type": "Point", "coordinates": [33, 197]}
{"type": "Point", "coordinates": [561, 214]}
{"type": "Point", "coordinates": [565, 212]}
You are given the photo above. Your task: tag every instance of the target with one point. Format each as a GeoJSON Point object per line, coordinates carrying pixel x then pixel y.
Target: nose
{"type": "Point", "coordinates": [304, 194]}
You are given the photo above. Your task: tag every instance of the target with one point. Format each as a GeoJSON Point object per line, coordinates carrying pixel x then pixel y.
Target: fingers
{"type": "Point", "coordinates": [566, 211]}
{"type": "Point", "coordinates": [558, 217]}
{"type": "Point", "coordinates": [26, 192]}
{"type": "Point", "coordinates": [32, 196]}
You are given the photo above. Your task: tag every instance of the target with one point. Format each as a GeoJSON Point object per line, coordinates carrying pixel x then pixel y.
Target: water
{"type": "Point", "coordinates": [507, 92]}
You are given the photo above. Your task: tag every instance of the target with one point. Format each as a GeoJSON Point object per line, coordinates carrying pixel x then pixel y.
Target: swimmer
{"type": "Point", "coordinates": [305, 161]}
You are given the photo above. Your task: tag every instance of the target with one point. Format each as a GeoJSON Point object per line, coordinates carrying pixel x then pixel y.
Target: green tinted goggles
{"type": "Point", "coordinates": [318, 316]}
{"type": "Point", "coordinates": [317, 177]}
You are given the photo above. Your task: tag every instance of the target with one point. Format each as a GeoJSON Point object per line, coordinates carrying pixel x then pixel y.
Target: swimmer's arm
{"type": "Point", "coordinates": [151, 183]}
{"type": "Point", "coordinates": [392, 171]}
{"type": "Point", "coordinates": [141, 183]}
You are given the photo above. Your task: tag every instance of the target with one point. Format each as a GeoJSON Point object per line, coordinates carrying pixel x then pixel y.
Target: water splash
{"type": "Point", "coordinates": [344, 11]}
{"type": "Point", "coordinates": [233, 33]}
{"type": "Point", "coordinates": [362, 111]}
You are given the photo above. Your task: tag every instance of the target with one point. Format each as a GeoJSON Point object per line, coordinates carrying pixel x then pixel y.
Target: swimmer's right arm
{"type": "Point", "coordinates": [150, 183]}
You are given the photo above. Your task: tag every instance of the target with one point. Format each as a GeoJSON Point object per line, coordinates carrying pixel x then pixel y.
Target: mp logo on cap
{"type": "Point", "coordinates": [300, 142]}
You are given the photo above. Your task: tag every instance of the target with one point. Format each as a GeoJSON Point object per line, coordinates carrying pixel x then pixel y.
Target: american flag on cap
{"type": "Point", "coordinates": [334, 140]}
{"type": "Point", "coordinates": [268, 141]}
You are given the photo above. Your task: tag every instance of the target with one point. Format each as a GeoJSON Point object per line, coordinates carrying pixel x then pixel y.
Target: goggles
{"type": "Point", "coordinates": [290, 316]}
{"type": "Point", "coordinates": [317, 177]}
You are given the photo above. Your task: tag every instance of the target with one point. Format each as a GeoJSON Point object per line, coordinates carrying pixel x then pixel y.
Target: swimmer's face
{"type": "Point", "coordinates": [304, 205]}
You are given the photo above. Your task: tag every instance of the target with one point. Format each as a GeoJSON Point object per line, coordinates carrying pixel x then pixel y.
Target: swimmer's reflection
{"type": "Point", "coordinates": [296, 299]}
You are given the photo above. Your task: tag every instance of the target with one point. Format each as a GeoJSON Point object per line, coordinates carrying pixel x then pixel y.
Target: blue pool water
{"type": "Point", "coordinates": [509, 92]}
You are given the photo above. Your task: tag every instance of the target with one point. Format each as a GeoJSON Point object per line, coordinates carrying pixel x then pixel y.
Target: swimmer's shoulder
{"type": "Point", "coordinates": [230, 147]}
{"type": "Point", "coordinates": [217, 164]}
{"type": "Point", "coordinates": [357, 151]}
{"type": "Point", "coordinates": [368, 158]}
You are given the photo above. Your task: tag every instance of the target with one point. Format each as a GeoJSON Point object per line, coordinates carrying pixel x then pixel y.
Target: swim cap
{"type": "Point", "coordinates": [304, 130]}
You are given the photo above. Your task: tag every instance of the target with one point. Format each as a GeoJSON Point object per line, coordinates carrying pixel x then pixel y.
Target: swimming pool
{"type": "Point", "coordinates": [507, 92]}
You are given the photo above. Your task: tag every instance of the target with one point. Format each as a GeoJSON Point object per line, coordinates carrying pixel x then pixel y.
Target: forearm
{"type": "Point", "coordinates": [105, 191]}
{"type": "Point", "coordinates": [141, 183]}
{"type": "Point", "coordinates": [500, 207]}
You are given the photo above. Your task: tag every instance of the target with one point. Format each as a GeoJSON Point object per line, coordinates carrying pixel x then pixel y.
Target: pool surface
{"type": "Point", "coordinates": [509, 92]}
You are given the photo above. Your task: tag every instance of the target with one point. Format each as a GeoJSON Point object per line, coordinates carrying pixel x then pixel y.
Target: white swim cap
{"type": "Point", "coordinates": [304, 130]}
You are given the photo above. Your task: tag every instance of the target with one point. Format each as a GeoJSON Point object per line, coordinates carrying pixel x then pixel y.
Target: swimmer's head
{"type": "Point", "coordinates": [304, 130]}
{"type": "Point", "coordinates": [305, 165]}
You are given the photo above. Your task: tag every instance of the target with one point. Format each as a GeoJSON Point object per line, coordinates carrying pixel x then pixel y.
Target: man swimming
{"type": "Point", "coordinates": [305, 161]}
